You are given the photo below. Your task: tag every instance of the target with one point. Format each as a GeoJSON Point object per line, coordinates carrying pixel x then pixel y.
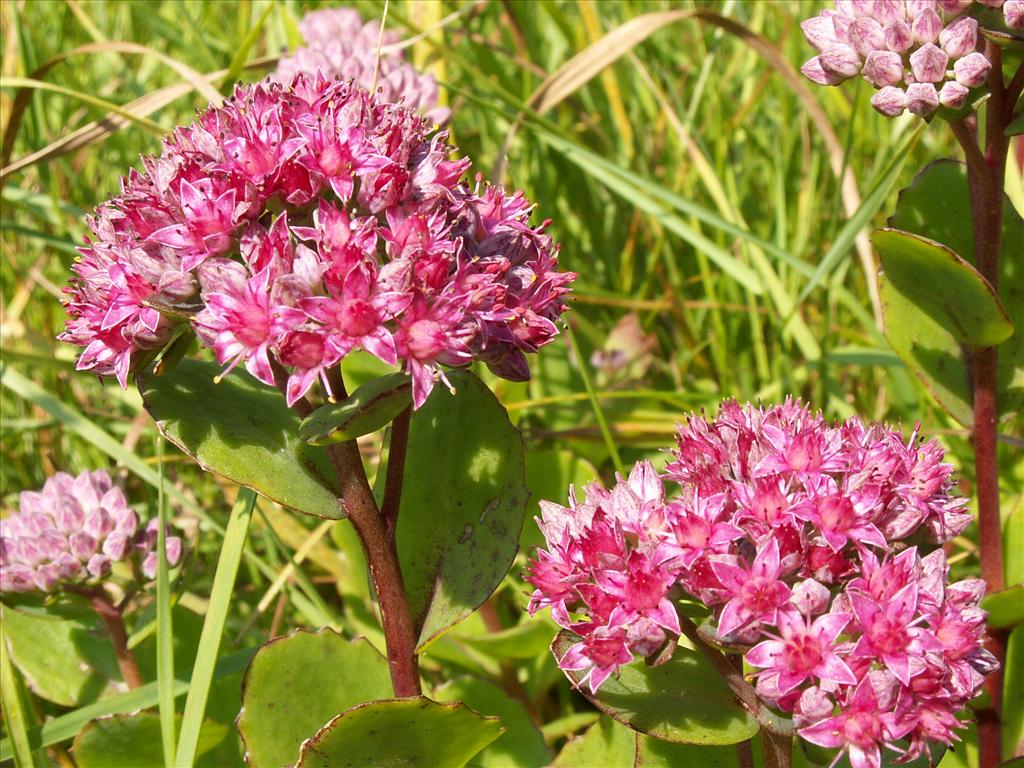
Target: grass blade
{"type": "Point", "coordinates": [213, 626]}
{"type": "Point", "coordinates": [14, 715]}
{"type": "Point", "coordinates": [85, 98]}
{"type": "Point", "coordinates": [164, 623]}
{"type": "Point", "coordinates": [602, 423]}
{"type": "Point", "coordinates": [66, 726]}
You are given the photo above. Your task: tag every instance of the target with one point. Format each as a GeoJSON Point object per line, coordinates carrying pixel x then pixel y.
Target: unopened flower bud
{"type": "Point", "coordinates": [926, 27]}
{"type": "Point", "coordinates": [928, 64]}
{"type": "Point", "coordinates": [953, 8]}
{"type": "Point", "coordinates": [922, 99]}
{"type": "Point", "coordinates": [972, 70]}
{"type": "Point", "coordinates": [953, 95]}
{"type": "Point", "coordinates": [898, 36]}
{"type": "Point", "coordinates": [841, 61]}
{"type": "Point", "coordinates": [917, 7]}
{"type": "Point", "coordinates": [820, 31]}
{"type": "Point", "coordinates": [1013, 13]}
{"type": "Point", "coordinates": [960, 37]}
{"type": "Point", "coordinates": [814, 72]}
{"type": "Point", "coordinates": [866, 35]}
{"type": "Point", "coordinates": [882, 68]}
{"type": "Point", "coordinates": [888, 11]}
{"type": "Point", "coordinates": [890, 101]}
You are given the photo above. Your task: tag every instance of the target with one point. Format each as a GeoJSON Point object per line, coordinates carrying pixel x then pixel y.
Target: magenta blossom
{"type": "Point", "coordinates": [297, 223]}
{"type": "Point", "coordinates": [794, 534]}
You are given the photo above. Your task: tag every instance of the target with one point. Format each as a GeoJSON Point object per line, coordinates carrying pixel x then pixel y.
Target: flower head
{"type": "Point", "coordinates": [911, 51]}
{"type": "Point", "coordinates": [295, 224]}
{"type": "Point", "coordinates": [793, 533]}
{"type": "Point", "coordinates": [73, 531]}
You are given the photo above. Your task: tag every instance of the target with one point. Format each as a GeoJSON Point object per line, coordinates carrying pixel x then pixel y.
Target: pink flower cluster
{"type": "Point", "coordinates": [340, 45]}
{"type": "Point", "coordinates": [294, 224]}
{"type": "Point", "coordinates": [72, 531]}
{"type": "Point", "coordinates": [801, 538]}
{"type": "Point", "coordinates": [919, 54]}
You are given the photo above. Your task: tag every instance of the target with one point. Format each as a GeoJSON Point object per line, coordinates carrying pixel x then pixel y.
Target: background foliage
{"type": "Point", "coordinates": [694, 185]}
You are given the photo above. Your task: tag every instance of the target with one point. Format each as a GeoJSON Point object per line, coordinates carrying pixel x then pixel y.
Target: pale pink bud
{"type": "Point", "coordinates": [960, 37]}
{"type": "Point", "coordinates": [972, 69]}
{"type": "Point", "coordinates": [841, 24]}
{"type": "Point", "coordinates": [953, 95]}
{"type": "Point", "coordinates": [820, 31]}
{"type": "Point", "coordinates": [954, 7]}
{"type": "Point", "coordinates": [867, 36]}
{"type": "Point", "coordinates": [1013, 12]}
{"type": "Point", "coordinates": [922, 99]}
{"type": "Point", "coordinates": [174, 549]}
{"type": "Point", "coordinates": [883, 68]}
{"type": "Point", "coordinates": [98, 523]}
{"type": "Point", "coordinates": [916, 7]}
{"type": "Point", "coordinates": [98, 565]}
{"type": "Point", "coordinates": [82, 545]}
{"type": "Point", "coordinates": [841, 61]}
{"type": "Point", "coordinates": [810, 597]}
{"type": "Point", "coordinates": [888, 11]}
{"type": "Point", "coordinates": [889, 101]}
{"type": "Point", "coordinates": [51, 544]}
{"type": "Point", "coordinates": [115, 546]}
{"type": "Point", "coordinates": [926, 27]}
{"type": "Point", "coordinates": [929, 64]}
{"type": "Point", "coordinates": [898, 37]}
{"type": "Point", "coordinates": [46, 577]}
{"type": "Point", "coordinates": [814, 72]}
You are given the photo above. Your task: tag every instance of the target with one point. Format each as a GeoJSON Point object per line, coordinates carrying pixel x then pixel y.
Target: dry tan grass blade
{"type": "Point", "coordinates": [581, 68]}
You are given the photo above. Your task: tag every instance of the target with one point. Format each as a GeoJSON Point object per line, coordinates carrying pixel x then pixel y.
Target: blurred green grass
{"type": "Point", "coordinates": [690, 152]}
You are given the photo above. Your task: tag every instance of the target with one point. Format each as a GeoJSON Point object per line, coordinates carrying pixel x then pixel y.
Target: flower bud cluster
{"type": "Point", "coordinates": [294, 224]}
{"type": "Point", "coordinates": [919, 54]}
{"type": "Point", "coordinates": [801, 537]}
{"type": "Point", "coordinates": [340, 45]}
{"type": "Point", "coordinates": [73, 531]}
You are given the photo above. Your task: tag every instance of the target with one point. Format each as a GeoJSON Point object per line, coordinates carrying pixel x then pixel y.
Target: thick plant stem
{"type": "Point", "coordinates": [777, 749]}
{"type": "Point", "coordinates": [396, 469]}
{"type": "Point", "coordinates": [986, 179]}
{"type": "Point", "coordinates": [378, 541]}
{"type": "Point", "coordinates": [114, 622]}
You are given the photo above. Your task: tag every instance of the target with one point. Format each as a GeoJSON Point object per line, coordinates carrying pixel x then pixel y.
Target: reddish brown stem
{"type": "Point", "coordinates": [396, 469]}
{"type": "Point", "coordinates": [986, 179]}
{"type": "Point", "coordinates": [112, 619]}
{"type": "Point", "coordinates": [378, 542]}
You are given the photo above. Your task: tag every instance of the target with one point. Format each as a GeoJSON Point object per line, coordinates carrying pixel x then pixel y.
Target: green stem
{"type": "Point", "coordinates": [602, 424]}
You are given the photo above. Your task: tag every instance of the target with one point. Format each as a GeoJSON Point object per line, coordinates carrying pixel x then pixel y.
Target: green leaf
{"type": "Point", "coordinates": [654, 753]}
{"type": "Point", "coordinates": [1013, 546]}
{"type": "Point", "coordinates": [930, 351]}
{"type": "Point", "coordinates": [522, 746]}
{"type": "Point", "coordinates": [231, 548]}
{"type": "Point", "coordinates": [63, 653]}
{"type": "Point", "coordinates": [937, 205]}
{"type": "Point", "coordinates": [1016, 126]}
{"type": "Point", "coordinates": [66, 726]}
{"type": "Point", "coordinates": [400, 733]}
{"type": "Point", "coordinates": [1013, 692]}
{"type": "Point", "coordinates": [241, 429]}
{"type": "Point", "coordinates": [683, 700]}
{"type": "Point", "coordinates": [943, 286]}
{"type": "Point", "coordinates": [366, 410]}
{"type": "Point", "coordinates": [121, 740]}
{"type": "Point", "coordinates": [1006, 607]}
{"type": "Point", "coordinates": [463, 502]}
{"type": "Point", "coordinates": [526, 640]}
{"type": "Point", "coordinates": [297, 683]}
{"type": "Point", "coordinates": [605, 744]}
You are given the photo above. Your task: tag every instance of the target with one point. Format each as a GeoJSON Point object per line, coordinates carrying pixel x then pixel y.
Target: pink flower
{"type": "Point", "coordinates": [755, 594]}
{"type": "Point", "coordinates": [803, 651]}
{"type": "Point", "coordinates": [397, 256]}
{"type": "Point", "coordinates": [861, 727]}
